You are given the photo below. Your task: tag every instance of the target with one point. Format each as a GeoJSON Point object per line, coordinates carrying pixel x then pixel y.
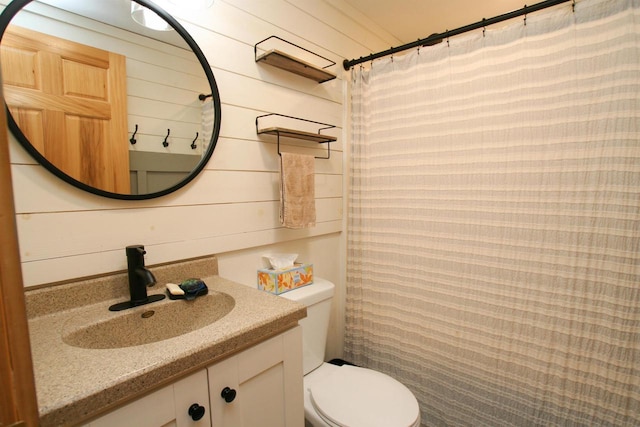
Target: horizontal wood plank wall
{"type": "Point", "coordinates": [65, 233]}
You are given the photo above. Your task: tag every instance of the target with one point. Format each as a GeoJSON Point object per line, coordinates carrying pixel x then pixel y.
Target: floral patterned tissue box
{"type": "Point", "coordinates": [280, 281]}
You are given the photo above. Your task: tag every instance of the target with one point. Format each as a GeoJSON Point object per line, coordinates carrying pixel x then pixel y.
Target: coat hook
{"type": "Point", "coordinates": [165, 143]}
{"type": "Point", "coordinates": [193, 144]}
{"type": "Point", "coordinates": [132, 140]}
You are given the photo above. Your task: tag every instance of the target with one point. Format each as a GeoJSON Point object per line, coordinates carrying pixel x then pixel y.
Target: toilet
{"type": "Point", "coordinates": [345, 396]}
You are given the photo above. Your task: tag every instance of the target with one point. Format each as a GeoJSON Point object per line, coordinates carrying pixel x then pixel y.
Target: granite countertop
{"type": "Point", "coordinates": [76, 384]}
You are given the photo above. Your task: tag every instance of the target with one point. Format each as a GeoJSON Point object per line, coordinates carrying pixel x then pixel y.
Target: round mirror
{"type": "Point", "coordinates": [104, 103]}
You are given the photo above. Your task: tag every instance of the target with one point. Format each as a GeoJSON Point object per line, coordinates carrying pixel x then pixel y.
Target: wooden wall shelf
{"type": "Point", "coordinates": [297, 134]}
{"type": "Point", "coordinates": [287, 132]}
{"type": "Point", "coordinates": [289, 62]}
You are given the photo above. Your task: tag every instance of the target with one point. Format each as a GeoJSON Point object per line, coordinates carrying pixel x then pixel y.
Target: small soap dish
{"type": "Point", "coordinates": [189, 289]}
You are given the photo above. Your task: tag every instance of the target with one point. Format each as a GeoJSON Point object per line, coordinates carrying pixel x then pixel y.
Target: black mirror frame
{"type": "Point", "coordinates": [5, 19]}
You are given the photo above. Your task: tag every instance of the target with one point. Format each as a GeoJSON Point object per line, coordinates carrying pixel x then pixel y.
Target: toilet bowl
{"type": "Point", "coordinates": [348, 396]}
{"type": "Point", "coordinates": [345, 396]}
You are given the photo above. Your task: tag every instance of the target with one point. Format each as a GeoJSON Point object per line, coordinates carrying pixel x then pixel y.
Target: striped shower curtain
{"type": "Point", "coordinates": [494, 221]}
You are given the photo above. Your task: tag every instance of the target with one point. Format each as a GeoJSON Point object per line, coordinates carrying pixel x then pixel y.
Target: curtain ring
{"type": "Point", "coordinates": [525, 15]}
{"type": "Point", "coordinates": [484, 28]}
{"type": "Point", "coordinates": [447, 33]}
{"type": "Point", "coordinates": [573, 6]}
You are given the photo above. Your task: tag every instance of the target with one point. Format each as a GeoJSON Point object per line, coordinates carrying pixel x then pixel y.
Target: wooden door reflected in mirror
{"type": "Point", "coordinates": [105, 104]}
{"type": "Point", "coordinates": [70, 101]}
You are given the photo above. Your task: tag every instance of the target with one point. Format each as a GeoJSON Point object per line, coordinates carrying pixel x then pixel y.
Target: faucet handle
{"type": "Point", "coordinates": [135, 250]}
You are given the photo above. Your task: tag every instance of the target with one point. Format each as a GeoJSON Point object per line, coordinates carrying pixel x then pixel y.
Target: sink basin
{"type": "Point", "coordinates": [99, 328]}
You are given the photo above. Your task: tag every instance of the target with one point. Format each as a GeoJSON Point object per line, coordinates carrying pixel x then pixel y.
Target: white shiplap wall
{"type": "Point", "coordinates": [231, 209]}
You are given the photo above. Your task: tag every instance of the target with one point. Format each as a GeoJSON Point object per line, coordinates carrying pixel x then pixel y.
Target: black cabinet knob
{"type": "Point", "coordinates": [196, 411]}
{"type": "Point", "coordinates": [228, 394]}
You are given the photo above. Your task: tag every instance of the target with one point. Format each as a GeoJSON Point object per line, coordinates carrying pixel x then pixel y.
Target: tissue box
{"type": "Point", "coordinates": [279, 281]}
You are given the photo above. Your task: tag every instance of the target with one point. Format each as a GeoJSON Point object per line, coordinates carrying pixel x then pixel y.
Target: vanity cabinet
{"type": "Point", "coordinates": [260, 386]}
{"type": "Point", "coordinates": [171, 406]}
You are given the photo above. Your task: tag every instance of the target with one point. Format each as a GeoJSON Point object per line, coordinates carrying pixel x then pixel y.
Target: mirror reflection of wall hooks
{"type": "Point", "coordinates": [165, 143]}
{"type": "Point", "coordinates": [193, 143]}
{"type": "Point", "coordinates": [202, 96]}
{"type": "Point", "coordinates": [133, 140]}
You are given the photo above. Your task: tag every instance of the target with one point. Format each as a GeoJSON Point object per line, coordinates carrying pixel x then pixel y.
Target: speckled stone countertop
{"type": "Point", "coordinates": [75, 384]}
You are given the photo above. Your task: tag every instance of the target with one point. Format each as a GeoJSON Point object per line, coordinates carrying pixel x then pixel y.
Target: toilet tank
{"type": "Point", "coordinates": [317, 297]}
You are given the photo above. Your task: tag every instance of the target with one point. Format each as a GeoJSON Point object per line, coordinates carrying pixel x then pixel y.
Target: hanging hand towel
{"type": "Point", "coordinates": [297, 191]}
{"type": "Point", "coordinates": [208, 117]}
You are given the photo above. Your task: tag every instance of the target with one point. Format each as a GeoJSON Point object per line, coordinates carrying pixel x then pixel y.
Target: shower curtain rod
{"type": "Point", "coordinates": [438, 37]}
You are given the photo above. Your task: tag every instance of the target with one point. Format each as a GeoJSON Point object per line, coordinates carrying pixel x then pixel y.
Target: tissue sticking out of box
{"type": "Point", "coordinates": [281, 261]}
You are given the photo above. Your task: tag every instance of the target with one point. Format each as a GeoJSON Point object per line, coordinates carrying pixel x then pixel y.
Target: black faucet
{"type": "Point", "coordinates": [139, 278]}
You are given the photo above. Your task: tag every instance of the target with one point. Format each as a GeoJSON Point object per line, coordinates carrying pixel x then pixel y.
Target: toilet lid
{"type": "Point", "coordinates": [355, 397]}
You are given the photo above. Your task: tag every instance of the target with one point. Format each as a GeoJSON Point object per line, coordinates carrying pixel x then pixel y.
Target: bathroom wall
{"type": "Point", "coordinates": [231, 209]}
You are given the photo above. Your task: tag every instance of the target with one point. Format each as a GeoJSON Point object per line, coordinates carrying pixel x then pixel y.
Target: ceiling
{"type": "Point", "coordinates": [409, 20]}
{"type": "Point", "coordinates": [406, 20]}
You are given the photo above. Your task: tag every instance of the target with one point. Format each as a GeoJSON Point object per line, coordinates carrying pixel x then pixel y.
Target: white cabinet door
{"type": "Point", "coordinates": [191, 396]}
{"type": "Point", "coordinates": [167, 407]}
{"type": "Point", "coordinates": [261, 386]}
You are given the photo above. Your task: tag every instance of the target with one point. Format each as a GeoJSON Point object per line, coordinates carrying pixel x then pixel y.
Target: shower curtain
{"type": "Point", "coordinates": [494, 221]}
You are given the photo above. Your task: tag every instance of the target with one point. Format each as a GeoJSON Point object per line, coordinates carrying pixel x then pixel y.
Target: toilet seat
{"type": "Point", "coordinates": [354, 397]}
